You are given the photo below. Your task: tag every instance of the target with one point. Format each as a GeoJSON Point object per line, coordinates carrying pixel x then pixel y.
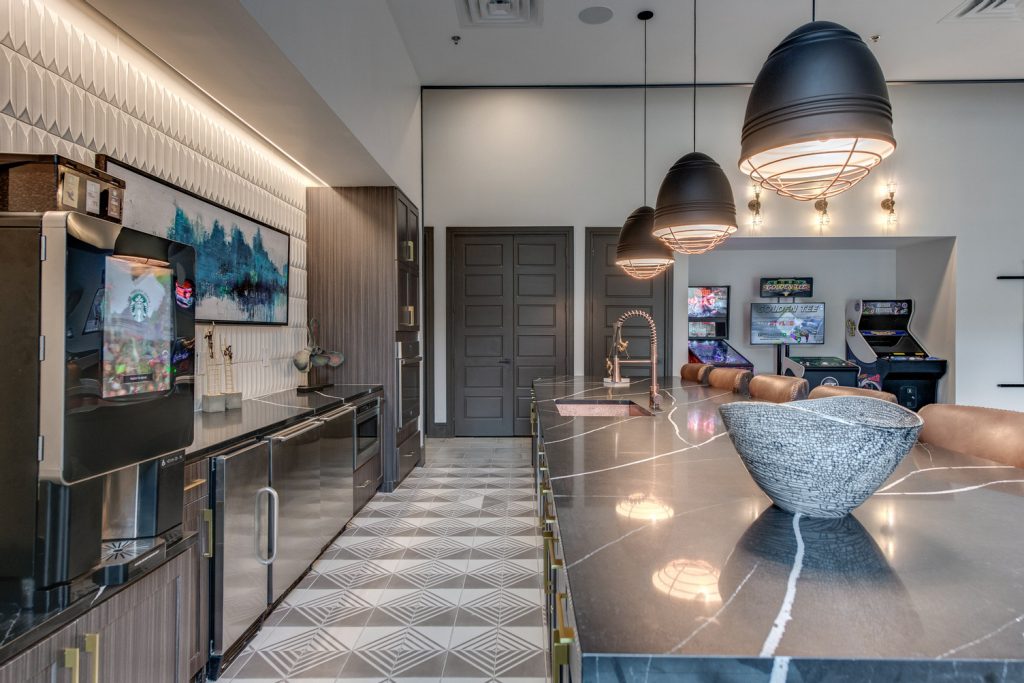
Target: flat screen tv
{"type": "Point", "coordinates": [707, 302]}
{"type": "Point", "coordinates": [788, 323]}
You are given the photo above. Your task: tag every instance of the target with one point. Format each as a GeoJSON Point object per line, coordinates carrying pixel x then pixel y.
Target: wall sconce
{"type": "Point", "coordinates": [756, 219]}
{"type": "Point", "coordinates": [889, 206]}
{"type": "Point", "coordinates": [823, 219]}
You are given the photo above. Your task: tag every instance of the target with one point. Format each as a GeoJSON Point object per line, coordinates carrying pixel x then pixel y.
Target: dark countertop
{"type": "Point", "coordinates": [924, 581]}
{"type": "Point", "coordinates": [259, 416]}
{"type": "Point", "coordinates": [20, 629]}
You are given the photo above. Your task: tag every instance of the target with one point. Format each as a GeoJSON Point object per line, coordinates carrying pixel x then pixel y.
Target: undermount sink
{"type": "Point", "coordinates": [569, 407]}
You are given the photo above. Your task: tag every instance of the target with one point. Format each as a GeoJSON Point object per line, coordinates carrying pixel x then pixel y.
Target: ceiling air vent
{"type": "Point", "coordinates": [474, 13]}
{"type": "Point", "coordinates": [987, 10]}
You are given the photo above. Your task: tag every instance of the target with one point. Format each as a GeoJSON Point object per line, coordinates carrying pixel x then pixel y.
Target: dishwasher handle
{"type": "Point", "coordinates": [294, 432]}
{"type": "Point", "coordinates": [275, 505]}
{"type": "Point", "coordinates": [335, 414]}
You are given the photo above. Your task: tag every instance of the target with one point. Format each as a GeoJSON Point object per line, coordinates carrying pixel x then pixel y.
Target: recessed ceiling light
{"type": "Point", "coordinates": [595, 15]}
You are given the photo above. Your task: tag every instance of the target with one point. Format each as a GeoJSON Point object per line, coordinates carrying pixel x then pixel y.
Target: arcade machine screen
{"type": "Point", "coordinates": [787, 323]}
{"type": "Point", "coordinates": [708, 311]}
{"type": "Point", "coordinates": [138, 329]}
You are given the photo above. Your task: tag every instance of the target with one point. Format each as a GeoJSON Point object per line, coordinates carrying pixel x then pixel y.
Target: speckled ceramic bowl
{"type": "Point", "coordinates": [822, 457]}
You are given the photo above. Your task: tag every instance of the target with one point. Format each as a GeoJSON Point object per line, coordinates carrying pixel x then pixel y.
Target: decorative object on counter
{"type": "Point", "coordinates": [692, 580]}
{"type": "Point", "coordinates": [232, 398]}
{"type": "Point", "coordinates": [619, 345]}
{"type": "Point", "coordinates": [777, 388]}
{"type": "Point", "coordinates": [828, 390]}
{"type": "Point", "coordinates": [213, 400]}
{"type": "Point", "coordinates": [818, 117]}
{"type": "Point", "coordinates": [984, 432]}
{"type": "Point", "coordinates": [313, 356]}
{"type": "Point", "coordinates": [639, 253]}
{"type": "Point", "coordinates": [821, 458]}
{"type": "Point", "coordinates": [241, 263]}
{"type": "Point", "coordinates": [695, 211]}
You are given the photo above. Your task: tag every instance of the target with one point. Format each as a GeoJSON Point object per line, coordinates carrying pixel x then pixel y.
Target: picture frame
{"type": "Point", "coordinates": [242, 264]}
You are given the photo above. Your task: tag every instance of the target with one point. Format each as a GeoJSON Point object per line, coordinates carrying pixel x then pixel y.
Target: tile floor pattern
{"type": "Point", "coordinates": [440, 580]}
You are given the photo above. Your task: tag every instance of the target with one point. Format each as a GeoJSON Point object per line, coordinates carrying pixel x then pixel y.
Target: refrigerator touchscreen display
{"type": "Point", "coordinates": [138, 328]}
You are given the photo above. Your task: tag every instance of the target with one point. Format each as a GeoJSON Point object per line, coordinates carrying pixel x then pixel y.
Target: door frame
{"type": "Point", "coordinates": [449, 254]}
{"type": "Point", "coordinates": [588, 303]}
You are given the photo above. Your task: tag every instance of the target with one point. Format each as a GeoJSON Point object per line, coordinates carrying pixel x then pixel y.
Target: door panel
{"type": "Point", "coordinates": [483, 327]}
{"type": "Point", "coordinates": [610, 293]}
{"type": "Point", "coordinates": [510, 304]}
{"type": "Point", "coordinates": [295, 475]}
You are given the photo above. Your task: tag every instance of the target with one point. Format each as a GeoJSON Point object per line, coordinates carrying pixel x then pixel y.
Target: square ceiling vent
{"type": "Point", "coordinates": [474, 13]}
{"type": "Point", "coordinates": [987, 10]}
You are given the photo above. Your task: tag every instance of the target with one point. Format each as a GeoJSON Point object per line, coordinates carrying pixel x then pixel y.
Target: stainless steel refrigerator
{"type": "Point", "coordinates": [337, 460]}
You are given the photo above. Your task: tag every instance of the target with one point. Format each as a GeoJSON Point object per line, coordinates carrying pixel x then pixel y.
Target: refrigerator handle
{"type": "Point", "coordinates": [271, 548]}
{"type": "Point", "coordinates": [276, 504]}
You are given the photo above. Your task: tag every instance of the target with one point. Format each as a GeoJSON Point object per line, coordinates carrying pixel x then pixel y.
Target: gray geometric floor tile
{"type": "Point", "coordinates": [438, 581]}
{"type": "Point", "coordinates": [493, 652]}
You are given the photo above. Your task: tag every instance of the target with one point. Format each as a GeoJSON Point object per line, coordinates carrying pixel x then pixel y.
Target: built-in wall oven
{"type": "Point", "coordinates": [407, 407]}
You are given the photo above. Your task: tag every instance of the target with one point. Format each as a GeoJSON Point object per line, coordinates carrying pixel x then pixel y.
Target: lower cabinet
{"type": "Point", "coordinates": [366, 481]}
{"type": "Point", "coordinates": [139, 634]}
{"type": "Point", "coordinates": [195, 518]}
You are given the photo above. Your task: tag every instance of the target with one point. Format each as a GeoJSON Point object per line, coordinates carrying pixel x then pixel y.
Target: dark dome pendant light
{"type": "Point", "coordinates": [640, 254]}
{"type": "Point", "coordinates": [818, 118]}
{"type": "Point", "coordinates": [696, 211]}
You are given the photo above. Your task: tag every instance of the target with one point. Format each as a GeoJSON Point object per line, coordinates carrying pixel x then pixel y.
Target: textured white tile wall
{"type": "Point", "coordinates": [71, 83]}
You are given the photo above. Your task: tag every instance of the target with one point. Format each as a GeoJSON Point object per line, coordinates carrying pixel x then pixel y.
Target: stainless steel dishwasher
{"type": "Point", "coordinates": [295, 476]}
{"type": "Point", "coordinates": [337, 459]}
{"type": "Point", "coordinates": [240, 533]}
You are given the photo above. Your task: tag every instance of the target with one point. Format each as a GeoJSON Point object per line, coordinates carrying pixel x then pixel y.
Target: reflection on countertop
{"type": "Point", "coordinates": [671, 549]}
{"type": "Point", "coordinates": [257, 416]}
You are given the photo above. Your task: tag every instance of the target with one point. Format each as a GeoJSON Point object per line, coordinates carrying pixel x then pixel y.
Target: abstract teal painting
{"type": "Point", "coordinates": [241, 264]}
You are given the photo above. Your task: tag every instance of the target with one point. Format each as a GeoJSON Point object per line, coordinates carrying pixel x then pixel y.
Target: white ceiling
{"type": "Point", "coordinates": [734, 38]}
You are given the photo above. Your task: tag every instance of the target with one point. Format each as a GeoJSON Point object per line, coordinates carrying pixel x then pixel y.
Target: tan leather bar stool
{"type": "Point", "coordinates": [733, 379]}
{"type": "Point", "coordinates": [695, 372]}
{"type": "Point", "coordinates": [982, 432]}
{"type": "Point", "coordinates": [778, 388]}
{"type": "Point", "coordinates": [824, 391]}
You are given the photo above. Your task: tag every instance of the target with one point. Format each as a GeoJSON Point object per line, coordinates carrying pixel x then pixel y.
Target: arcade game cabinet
{"type": "Point", "coordinates": [826, 371]}
{"type": "Point", "coordinates": [879, 340]}
{"type": "Point", "coordinates": [708, 311]}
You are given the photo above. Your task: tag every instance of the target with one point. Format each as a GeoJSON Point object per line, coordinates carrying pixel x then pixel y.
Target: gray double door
{"type": "Point", "coordinates": [610, 293]}
{"type": "Point", "coordinates": [510, 308]}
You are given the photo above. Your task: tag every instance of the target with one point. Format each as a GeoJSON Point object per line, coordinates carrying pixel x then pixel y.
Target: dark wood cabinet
{"type": "Point", "coordinates": [364, 279]}
{"type": "Point", "coordinates": [139, 634]}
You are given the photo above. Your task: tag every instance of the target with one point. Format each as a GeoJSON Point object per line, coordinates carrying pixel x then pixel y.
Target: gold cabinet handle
{"type": "Point", "coordinates": [411, 246]}
{"type": "Point", "coordinates": [208, 521]}
{"type": "Point", "coordinates": [71, 661]}
{"type": "Point", "coordinates": [92, 646]}
{"type": "Point", "coordinates": [562, 637]}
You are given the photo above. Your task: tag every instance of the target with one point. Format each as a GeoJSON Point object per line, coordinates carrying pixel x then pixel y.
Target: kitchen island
{"type": "Point", "coordinates": [666, 560]}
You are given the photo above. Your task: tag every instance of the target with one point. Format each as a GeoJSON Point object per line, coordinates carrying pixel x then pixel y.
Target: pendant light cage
{"type": "Point", "coordinates": [639, 269]}
{"type": "Point", "coordinates": [819, 169]}
{"type": "Point", "coordinates": [695, 239]}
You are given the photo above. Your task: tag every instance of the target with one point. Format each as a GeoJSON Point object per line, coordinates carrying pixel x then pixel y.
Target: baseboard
{"type": "Point", "coordinates": [439, 430]}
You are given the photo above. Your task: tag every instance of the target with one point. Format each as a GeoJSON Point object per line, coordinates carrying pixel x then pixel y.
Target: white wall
{"type": "Point", "coordinates": [839, 275]}
{"type": "Point", "coordinates": [72, 83]}
{"type": "Point", "coordinates": [573, 157]}
{"type": "Point", "coordinates": [353, 54]}
{"type": "Point", "coordinates": [927, 274]}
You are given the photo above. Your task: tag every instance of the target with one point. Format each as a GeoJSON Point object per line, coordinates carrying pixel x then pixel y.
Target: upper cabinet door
{"type": "Point", "coordinates": [407, 233]}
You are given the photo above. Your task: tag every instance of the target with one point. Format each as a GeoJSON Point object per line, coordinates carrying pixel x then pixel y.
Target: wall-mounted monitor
{"type": "Point", "coordinates": [708, 302]}
{"type": "Point", "coordinates": [787, 323]}
{"type": "Point", "coordinates": [787, 287]}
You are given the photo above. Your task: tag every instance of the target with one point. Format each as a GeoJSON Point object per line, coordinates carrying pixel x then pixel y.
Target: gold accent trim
{"type": "Point", "coordinates": [72, 659]}
{"type": "Point", "coordinates": [194, 484]}
{"type": "Point", "coordinates": [92, 646]}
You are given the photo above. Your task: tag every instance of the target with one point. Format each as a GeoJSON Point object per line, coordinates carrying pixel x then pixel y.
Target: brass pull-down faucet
{"type": "Point", "coordinates": [613, 362]}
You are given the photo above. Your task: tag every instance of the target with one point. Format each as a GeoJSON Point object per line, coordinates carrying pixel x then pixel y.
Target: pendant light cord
{"type": "Point", "coordinates": [814, 10]}
{"type": "Point", "coordinates": [645, 113]}
{"type": "Point", "coordinates": [694, 75]}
